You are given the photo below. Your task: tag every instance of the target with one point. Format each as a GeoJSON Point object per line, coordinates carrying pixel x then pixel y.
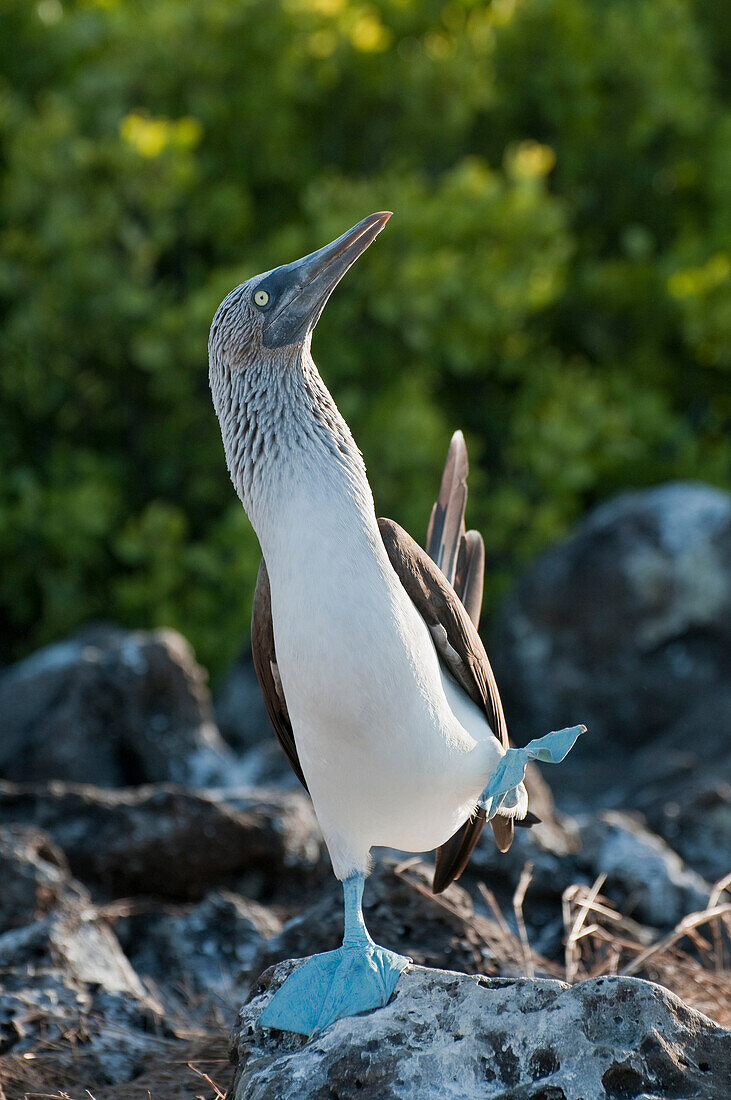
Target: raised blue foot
{"type": "Point", "coordinates": [551, 749]}
{"type": "Point", "coordinates": [357, 977]}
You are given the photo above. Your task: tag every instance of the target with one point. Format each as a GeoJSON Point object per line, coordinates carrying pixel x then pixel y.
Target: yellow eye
{"type": "Point", "coordinates": [261, 297]}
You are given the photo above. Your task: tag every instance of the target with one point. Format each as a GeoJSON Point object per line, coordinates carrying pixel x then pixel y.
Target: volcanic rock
{"type": "Point", "coordinates": [35, 876]}
{"type": "Point", "coordinates": [447, 1036]}
{"type": "Point", "coordinates": [644, 875]}
{"type": "Point", "coordinates": [624, 626]}
{"type": "Point", "coordinates": [66, 984]}
{"type": "Point", "coordinates": [240, 711]}
{"type": "Point", "coordinates": [200, 954]}
{"type": "Point", "coordinates": [112, 707]}
{"type": "Point", "coordinates": [167, 841]}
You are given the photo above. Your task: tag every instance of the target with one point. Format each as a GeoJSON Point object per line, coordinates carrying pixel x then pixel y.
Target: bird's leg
{"type": "Point", "coordinates": [355, 933]}
{"type": "Point", "coordinates": [358, 977]}
{"type": "Point", "coordinates": [509, 773]}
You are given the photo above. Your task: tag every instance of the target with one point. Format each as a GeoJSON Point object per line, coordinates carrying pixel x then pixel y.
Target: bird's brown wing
{"type": "Point", "coordinates": [468, 584]}
{"type": "Point", "coordinates": [460, 648]}
{"type": "Point", "coordinates": [458, 644]}
{"type": "Point", "coordinates": [267, 673]}
{"type": "Point", "coordinates": [460, 555]}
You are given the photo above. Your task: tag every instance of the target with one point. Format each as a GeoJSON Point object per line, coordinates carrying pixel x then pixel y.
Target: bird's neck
{"type": "Point", "coordinates": [292, 457]}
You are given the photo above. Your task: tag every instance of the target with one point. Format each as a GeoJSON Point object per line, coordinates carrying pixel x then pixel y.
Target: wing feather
{"type": "Point", "coordinates": [460, 648]}
{"type": "Point", "coordinates": [267, 672]}
{"type": "Point", "coordinates": [458, 644]}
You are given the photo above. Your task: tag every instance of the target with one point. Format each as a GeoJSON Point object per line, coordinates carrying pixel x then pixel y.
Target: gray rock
{"type": "Point", "coordinates": [103, 1036]}
{"type": "Point", "coordinates": [644, 875]}
{"type": "Point", "coordinates": [112, 707]}
{"type": "Point", "coordinates": [66, 983]}
{"type": "Point", "coordinates": [699, 829]}
{"type": "Point", "coordinates": [35, 876]}
{"type": "Point", "coordinates": [682, 784]}
{"type": "Point", "coordinates": [171, 842]}
{"type": "Point", "coordinates": [74, 939]}
{"type": "Point", "coordinates": [447, 1036]}
{"type": "Point", "coordinates": [265, 765]}
{"type": "Point", "coordinates": [625, 625]}
{"type": "Point", "coordinates": [60, 926]}
{"type": "Point", "coordinates": [240, 711]}
{"type": "Point", "coordinates": [200, 954]}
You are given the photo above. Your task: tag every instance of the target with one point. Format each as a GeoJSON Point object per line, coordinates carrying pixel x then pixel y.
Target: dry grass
{"type": "Point", "coordinates": [599, 940]}
{"type": "Point", "coordinates": [507, 953]}
{"type": "Point", "coordinates": [197, 1070]}
{"type": "Point", "coordinates": [691, 961]}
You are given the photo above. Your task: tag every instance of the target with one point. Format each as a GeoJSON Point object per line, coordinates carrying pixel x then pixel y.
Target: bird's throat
{"type": "Point", "coordinates": [292, 457]}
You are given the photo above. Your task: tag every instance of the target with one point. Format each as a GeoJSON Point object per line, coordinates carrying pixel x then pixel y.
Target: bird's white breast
{"type": "Point", "coordinates": [393, 751]}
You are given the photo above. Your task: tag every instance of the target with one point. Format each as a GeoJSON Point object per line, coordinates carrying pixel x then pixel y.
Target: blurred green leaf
{"type": "Point", "coordinates": [556, 279]}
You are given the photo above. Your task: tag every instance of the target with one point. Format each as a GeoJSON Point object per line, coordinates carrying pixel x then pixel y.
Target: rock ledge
{"type": "Point", "coordinates": [454, 1036]}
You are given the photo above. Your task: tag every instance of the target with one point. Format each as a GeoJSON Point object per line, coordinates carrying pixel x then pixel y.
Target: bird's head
{"type": "Point", "coordinates": [271, 316]}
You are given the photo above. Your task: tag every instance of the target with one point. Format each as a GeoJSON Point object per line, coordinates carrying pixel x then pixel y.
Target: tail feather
{"type": "Point", "coordinates": [460, 555]}
{"type": "Point", "coordinates": [446, 525]}
{"type": "Point", "coordinates": [502, 829]}
{"type": "Point", "coordinates": [470, 576]}
{"type": "Point", "coordinates": [454, 855]}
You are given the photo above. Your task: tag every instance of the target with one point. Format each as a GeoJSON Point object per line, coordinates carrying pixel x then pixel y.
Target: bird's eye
{"type": "Point", "coordinates": [261, 297]}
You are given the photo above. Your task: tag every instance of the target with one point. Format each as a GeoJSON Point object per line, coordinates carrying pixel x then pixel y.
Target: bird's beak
{"type": "Point", "coordinates": [300, 290]}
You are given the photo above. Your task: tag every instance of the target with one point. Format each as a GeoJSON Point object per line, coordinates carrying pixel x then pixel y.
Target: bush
{"type": "Point", "coordinates": [555, 281]}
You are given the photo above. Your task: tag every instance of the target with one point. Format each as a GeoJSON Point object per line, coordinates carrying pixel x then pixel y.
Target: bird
{"type": "Point", "coordinates": [365, 645]}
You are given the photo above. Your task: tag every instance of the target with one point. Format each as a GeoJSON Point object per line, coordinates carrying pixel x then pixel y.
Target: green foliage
{"type": "Point", "coordinates": [556, 279]}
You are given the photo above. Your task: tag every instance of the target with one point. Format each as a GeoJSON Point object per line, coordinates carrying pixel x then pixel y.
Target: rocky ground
{"type": "Point", "coordinates": [161, 865]}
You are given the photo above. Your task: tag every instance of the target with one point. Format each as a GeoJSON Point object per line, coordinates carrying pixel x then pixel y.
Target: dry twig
{"type": "Point", "coordinates": [574, 933]}
{"type": "Point", "coordinates": [495, 909]}
{"type": "Point", "coordinates": [518, 897]}
{"type": "Point", "coordinates": [219, 1094]}
{"type": "Point", "coordinates": [681, 929]}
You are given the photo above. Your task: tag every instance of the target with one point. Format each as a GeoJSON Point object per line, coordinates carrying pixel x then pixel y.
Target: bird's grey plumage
{"type": "Point", "coordinates": [265, 412]}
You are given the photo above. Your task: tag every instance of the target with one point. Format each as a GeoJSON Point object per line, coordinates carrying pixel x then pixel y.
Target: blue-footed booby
{"type": "Point", "coordinates": [365, 645]}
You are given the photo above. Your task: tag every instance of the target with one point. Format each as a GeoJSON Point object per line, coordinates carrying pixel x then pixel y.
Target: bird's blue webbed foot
{"type": "Point", "coordinates": [355, 978]}
{"type": "Point", "coordinates": [338, 983]}
{"type": "Point", "coordinates": [551, 749]}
